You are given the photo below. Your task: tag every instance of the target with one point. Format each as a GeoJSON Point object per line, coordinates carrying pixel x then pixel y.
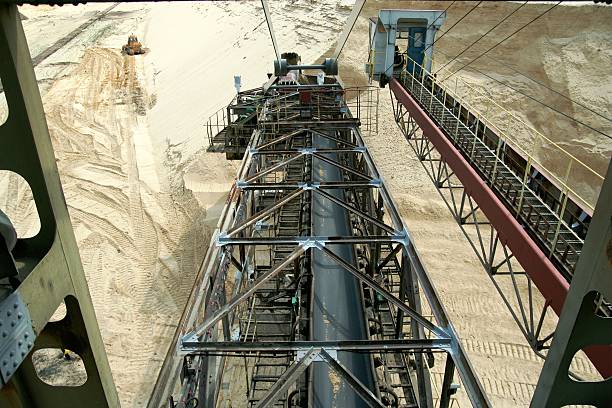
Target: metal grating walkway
{"type": "Point", "coordinates": [556, 239]}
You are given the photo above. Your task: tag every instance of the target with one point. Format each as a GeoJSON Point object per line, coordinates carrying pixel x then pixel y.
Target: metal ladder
{"type": "Point", "coordinates": [274, 312]}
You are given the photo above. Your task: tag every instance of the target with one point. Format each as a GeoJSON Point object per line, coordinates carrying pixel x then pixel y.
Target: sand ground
{"type": "Point", "coordinates": [142, 192]}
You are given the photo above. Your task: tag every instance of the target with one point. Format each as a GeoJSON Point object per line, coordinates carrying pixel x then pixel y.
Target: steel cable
{"type": "Point", "coordinates": [505, 39]}
{"type": "Point", "coordinates": [451, 27]}
{"type": "Point", "coordinates": [531, 97]}
{"type": "Point", "coordinates": [482, 36]}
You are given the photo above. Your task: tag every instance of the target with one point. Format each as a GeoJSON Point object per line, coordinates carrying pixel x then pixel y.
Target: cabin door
{"type": "Point", "coordinates": [416, 48]}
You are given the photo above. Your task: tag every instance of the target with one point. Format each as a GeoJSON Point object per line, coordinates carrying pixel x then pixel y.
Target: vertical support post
{"type": "Point", "coordinates": [433, 91]}
{"type": "Point", "coordinates": [443, 106]}
{"type": "Point", "coordinates": [525, 177]}
{"type": "Point", "coordinates": [565, 194]}
{"type": "Point", "coordinates": [473, 148]}
{"type": "Point", "coordinates": [412, 294]}
{"type": "Point", "coordinates": [497, 159]}
{"type": "Point", "coordinates": [399, 324]}
{"type": "Point", "coordinates": [580, 325]}
{"type": "Point", "coordinates": [445, 391]}
{"type": "Point", "coordinates": [458, 119]}
{"type": "Point", "coordinates": [55, 273]}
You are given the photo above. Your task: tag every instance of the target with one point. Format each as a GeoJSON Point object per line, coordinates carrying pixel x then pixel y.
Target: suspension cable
{"type": "Point", "coordinates": [505, 39]}
{"type": "Point", "coordinates": [348, 27]}
{"type": "Point", "coordinates": [516, 90]}
{"type": "Point", "coordinates": [482, 36]}
{"type": "Point", "coordinates": [451, 27]}
{"type": "Point", "coordinates": [266, 9]}
{"type": "Point", "coordinates": [538, 101]}
{"type": "Point", "coordinates": [529, 96]}
{"type": "Point", "coordinates": [441, 14]}
{"type": "Point", "coordinates": [516, 71]}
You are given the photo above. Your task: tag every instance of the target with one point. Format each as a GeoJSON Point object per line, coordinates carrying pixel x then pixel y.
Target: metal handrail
{"type": "Point", "coordinates": [574, 165]}
{"type": "Point", "coordinates": [540, 140]}
{"type": "Point", "coordinates": [469, 147]}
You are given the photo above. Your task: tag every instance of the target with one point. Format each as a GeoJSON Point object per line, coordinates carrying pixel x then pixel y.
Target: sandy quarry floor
{"type": "Point", "coordinates": [142, 192]}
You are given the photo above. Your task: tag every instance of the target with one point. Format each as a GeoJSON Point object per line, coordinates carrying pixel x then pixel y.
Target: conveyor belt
{"type": "Point", "coordinates": [545, 236]}
{"type": "Point", "coordinates": [313, 227]}
{"type": "Point", "coordinates": [337, 310]}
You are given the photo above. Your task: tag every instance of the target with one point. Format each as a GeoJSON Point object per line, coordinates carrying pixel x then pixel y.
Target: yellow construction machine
{"type": "Point", "coordinates": [133, 46]}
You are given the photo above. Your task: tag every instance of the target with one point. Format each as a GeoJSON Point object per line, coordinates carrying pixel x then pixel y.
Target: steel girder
{"type": "Point", "coordinates": [48, 264]}
{"type": "Point", "coordinates": [550, 282]}
{"type": "Point", "coordinates": [449, 170]}
{"type": "Point", "coordinates": [495, 257]}
{"type": "Point", "coordinates": [243, 227]}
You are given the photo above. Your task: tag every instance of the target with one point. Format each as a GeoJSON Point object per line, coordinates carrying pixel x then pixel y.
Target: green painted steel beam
{"type": "Point", "coordinates": [49, 266]}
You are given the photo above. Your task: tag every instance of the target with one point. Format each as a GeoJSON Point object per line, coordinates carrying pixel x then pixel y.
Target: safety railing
{"type": "Point", "coordinates": [215, 126]}
{"type": "Point", "coordinates": [363, 103]}
{"type": "Point", "coordinates": [575, 178]}
{"type": "Point", "coordinates": [467, 130]}
{"type": "Point", "coordinates": [360, 103]}
{"type": "Point", "coordinates": [571, 175]}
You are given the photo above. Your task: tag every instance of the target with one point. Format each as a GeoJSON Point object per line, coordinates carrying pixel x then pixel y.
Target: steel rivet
{"type": "Point", "coordinates": [4, 362]}
{"type": "Point", "coordinates": [23, 354]}
{"type": "Point", "coordinates": [12, 324]}
{"type": "Point", "coordinates": [19, 343]}
{"type": "Point", "coordinates": [29, 344]}
{"type": "Point", "coordinates": [19, 315]}
{"type": "Point", "coordinates": [15, 305]}
{"type": "Point", "coordinates": [8, 312]}
{"type": "Point", "coordinates": [11, 354]}
{"type": "Point", "coordinates": [26, 335]}
{"type": "Point", "coordinates": [14, 364]}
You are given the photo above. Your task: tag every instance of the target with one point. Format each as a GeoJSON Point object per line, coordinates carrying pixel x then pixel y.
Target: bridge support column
{"type": "Point", "coordinates": [48, 264]}
{"type": "Point", "coordinates": [582, 323]}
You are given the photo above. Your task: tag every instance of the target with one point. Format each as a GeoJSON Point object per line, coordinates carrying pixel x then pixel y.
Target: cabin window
{"type": "Point", "coordinates": [418, 40]}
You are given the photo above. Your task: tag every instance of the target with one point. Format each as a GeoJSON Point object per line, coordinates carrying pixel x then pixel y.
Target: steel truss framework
{"type": "Point", "coordinates": [582, 323]}
{"type": "Point", "coordinates": [496, 257]}
{"type": "Point", "coordinates": [425, 117]}
{"type": "Point", "coordinates": [258, 256]}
